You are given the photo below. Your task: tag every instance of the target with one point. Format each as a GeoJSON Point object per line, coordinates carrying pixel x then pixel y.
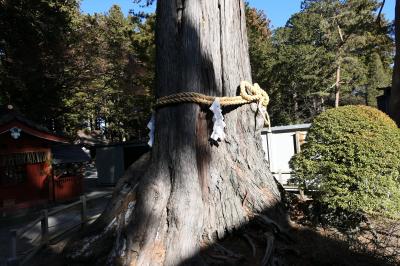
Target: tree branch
{"type": "Point", "coordinates": [378, 19]}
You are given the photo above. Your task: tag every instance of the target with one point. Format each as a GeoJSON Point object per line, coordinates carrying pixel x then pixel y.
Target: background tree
{"type": "Point", "coordinates": [85, 64]}
{"type": "Point", "coordinates": [112, 72]}
{"type": "Point", "coordinates": [70, 71]}
{"type": "Point", "coordinates": [302, 68]}
{"type": "Point", "coordinates": [260, 44]}
{"type": "Point", "coordinates": [33, 45]}
{"type": "Point", "coordinates": [349, 32]}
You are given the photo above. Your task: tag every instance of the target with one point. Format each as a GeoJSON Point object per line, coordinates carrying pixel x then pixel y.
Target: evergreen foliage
{"type": "Point", "coordinates": [33, 45]}
{"type": "Point", "coordinates": [111, 70]}
{"type": "Point", "coordinates": [351, 161]}
{"type": "Point", "coordinates": [72, 71]}
{"type": "Point", "coordinates": [298, 63]}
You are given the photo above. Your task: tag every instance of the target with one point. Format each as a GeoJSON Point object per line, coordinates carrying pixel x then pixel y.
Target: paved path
{"type": "Point", "coordinates": [57, 222]}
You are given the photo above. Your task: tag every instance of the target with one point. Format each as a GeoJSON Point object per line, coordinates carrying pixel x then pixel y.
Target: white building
{"type": "Point", "coordinates": [280, 144]}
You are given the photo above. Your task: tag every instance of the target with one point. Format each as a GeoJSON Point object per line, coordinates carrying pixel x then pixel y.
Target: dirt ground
{"type": "Point", "coordinates": [303, 244]}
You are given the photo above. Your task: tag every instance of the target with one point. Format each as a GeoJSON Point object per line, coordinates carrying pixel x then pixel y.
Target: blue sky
{"type": "Point", "coordinates": [278, 11]}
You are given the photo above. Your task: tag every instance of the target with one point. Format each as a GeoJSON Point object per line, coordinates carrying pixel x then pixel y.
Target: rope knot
{"type": "Point", "coordinates": [252, 93]}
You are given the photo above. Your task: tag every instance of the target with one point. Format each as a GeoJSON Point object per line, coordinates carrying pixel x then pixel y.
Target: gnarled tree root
{"type": "Point", "coordinates": [99, 238]}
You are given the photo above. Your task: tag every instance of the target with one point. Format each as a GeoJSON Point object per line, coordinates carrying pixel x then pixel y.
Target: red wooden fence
{"type": "Point", "coordinates": [67, 188]}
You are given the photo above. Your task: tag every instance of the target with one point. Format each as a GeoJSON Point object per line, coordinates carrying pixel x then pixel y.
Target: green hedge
{"type": "Point", "coordinates": [351, 161]}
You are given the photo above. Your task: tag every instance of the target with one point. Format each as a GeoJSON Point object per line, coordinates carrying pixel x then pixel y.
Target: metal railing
{"type": "Point", "coordinates": [45, 237]}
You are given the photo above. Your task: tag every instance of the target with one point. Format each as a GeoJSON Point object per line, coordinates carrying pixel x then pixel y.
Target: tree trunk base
{"type": "Point", "coordinates": [128, 234]}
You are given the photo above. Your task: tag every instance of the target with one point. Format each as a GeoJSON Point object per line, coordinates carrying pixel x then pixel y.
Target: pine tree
{"type": "Point", "coordinates": [33, 49]}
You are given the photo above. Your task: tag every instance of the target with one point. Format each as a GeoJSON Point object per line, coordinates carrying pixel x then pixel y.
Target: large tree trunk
{"type": "Point", "coordinates": [394, 106]}
{"type": "Point", "coordinates": [192, 191]}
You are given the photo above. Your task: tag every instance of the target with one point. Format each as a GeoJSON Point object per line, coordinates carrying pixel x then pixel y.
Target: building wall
{"type": "Point", "coordinates": [35, 188]}
{"type": "Point", "coordinates": [109, 164]}
{"type": "Point", "coordinates": [26, 174]}
{"type": "Point", "coordinates": [280, 145]}
{"type": "Point", "coordinates": [112, 160]}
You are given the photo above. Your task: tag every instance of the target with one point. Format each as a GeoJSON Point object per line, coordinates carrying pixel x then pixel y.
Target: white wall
{"type": "Point", "coordinates": [279, 146]}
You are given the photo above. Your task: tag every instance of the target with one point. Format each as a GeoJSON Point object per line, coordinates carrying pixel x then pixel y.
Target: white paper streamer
{"type": "Point", "coordinates": [151, 125]}
{"type": "Point", "coordinates": [263, 111]}
{"type": "Point", "coordinates": [218, 119]}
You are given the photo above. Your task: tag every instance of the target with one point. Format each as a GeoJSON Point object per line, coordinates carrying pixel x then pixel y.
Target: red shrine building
{"type": "Point", "coordinates": [28, 167]}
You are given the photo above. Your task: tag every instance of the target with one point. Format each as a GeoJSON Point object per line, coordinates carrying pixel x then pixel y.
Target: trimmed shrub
{"type": "Point", "coordinates": [351, 161]}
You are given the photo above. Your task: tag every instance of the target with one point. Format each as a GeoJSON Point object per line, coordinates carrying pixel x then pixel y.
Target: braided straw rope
{"type": "Point", "coordinates": [248, 93]}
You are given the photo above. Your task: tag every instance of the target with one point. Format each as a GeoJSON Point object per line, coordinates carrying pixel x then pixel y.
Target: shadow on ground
{"type": "Point", "coordinates": [259, 242]}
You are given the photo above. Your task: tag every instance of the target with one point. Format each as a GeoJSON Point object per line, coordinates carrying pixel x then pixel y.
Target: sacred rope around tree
{"type": "Point", "coordinates": [248, 93]}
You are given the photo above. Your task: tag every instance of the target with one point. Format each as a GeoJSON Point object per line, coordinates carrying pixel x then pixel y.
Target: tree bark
{"type": "Point", "coordinates": [295, 107]}
{"type": "Point", "coordinates": [338, 69]}
{"type": "Point", "coordinates": [394, 105]}
{"type": "Point", "coordinates": [378, 17]}
{"type": "Point", "coordinates": [337, 87]}
{"type": "Point", "coordinates": [193, 190]}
